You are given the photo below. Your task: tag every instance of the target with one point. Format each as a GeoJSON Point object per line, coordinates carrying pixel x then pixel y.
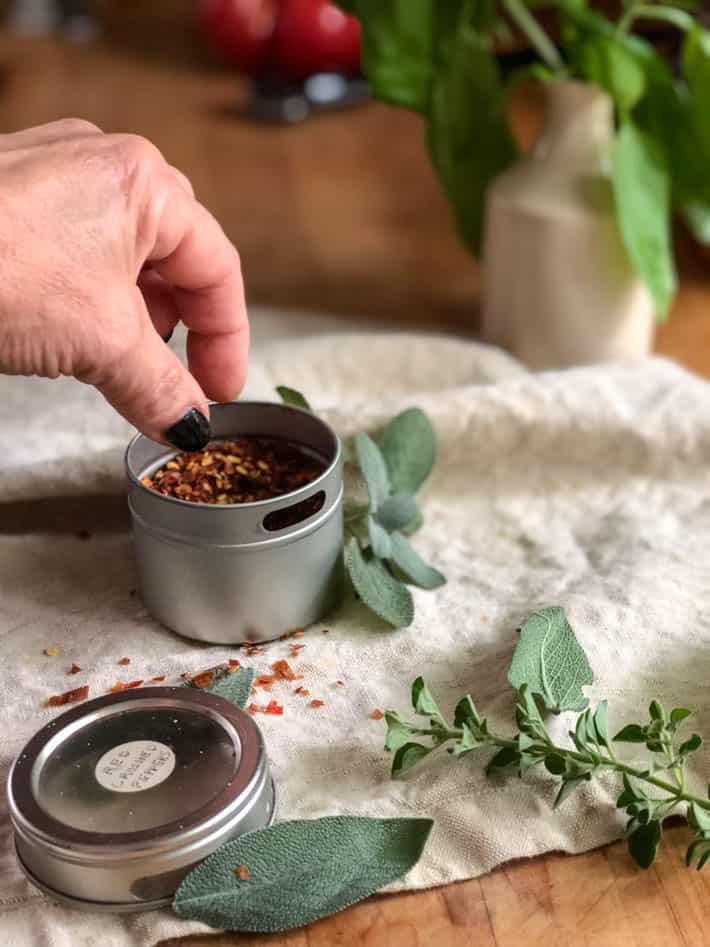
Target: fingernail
{"type": "Point", "coordinates": [168, 337]}
{"type": "Point", "coordinates": [192, 431]}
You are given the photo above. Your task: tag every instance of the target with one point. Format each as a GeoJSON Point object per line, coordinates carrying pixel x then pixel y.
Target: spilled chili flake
{"type": "Point", "coordinates": [274, 708]}
{"type": "Point", "coordinates": [69, 697]}
{"type": "Point", "coordinates": [340, 683]}
{"type": "Point", "coordinates": [74, 669]}
{"type": "Point", "coordinates": [265, 681]}
{"type": "Point", "coordinates": [377, 714]}
{"type": "Point", "coordinates": [158, 679]}
{"type": "Point", "coordinates": [124, 661]}
{"type": "Point", "coordinates": [119, 686]}
{"type": "Point", "coordinates": [242, 872]}
{"type": "Point", "coordinates": [283, 670]}
{"type": "Point", "coordinates": [317, 703]}
{"type": "Point", "coordinates": [253, 709]}
{"type": "Point", "coordinates": [302, 692]}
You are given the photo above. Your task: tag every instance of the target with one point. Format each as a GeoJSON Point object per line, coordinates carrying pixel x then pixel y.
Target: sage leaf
{"type": "Point", "coordinates": [412, 527]}
{"type": "Point", "coordinates": [379, 539]}
{"type": "Point", "coordinates": [300, 871]}
{"type": "Point", "coordinates": [408, 446]}
{"type": "Point", "coordinates": [408, 560]}
{"type": "Point", "coordinates": [377, 587]}
{"type": "Point", "coordinates": [373, 469]}
{"type": "Point", "coordinates": [643, 843]}
{"type": "Point", "coordinates": [549, 659]}
{"type": "Point", "coordinates": [642, 195]}
{"type": "Point", "coordinates": [235, 688]}
{"type": "Point", "coordinates": [293, 397]}
{"type": "Point", "coordinates": [407, 756]}
{"type": "Point", "coordinates": [397, 511]}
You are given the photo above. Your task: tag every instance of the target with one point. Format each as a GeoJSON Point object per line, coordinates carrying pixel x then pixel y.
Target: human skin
{"type": "Point", "coordinates": [104, 249]}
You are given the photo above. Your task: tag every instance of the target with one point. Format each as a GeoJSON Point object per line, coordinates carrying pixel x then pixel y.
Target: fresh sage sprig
{"type": "Point", "coordinates": [379, 558]}
{"type": "Point", "coordinates": [549, 668]}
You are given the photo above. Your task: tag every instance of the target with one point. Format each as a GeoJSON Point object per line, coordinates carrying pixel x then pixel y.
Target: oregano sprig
{"type": "Point", "coordinates": [379, 558]}
{"type": "Point", "coordinates": [548, 667]}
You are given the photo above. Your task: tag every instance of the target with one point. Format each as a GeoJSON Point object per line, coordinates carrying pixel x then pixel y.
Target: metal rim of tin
{"type": "Point", "coordinates": [134, 477]}
{"type": "Point", "coordinates": [212, 823]}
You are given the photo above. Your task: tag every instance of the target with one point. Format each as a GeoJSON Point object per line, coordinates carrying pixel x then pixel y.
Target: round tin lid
{"type": "Point", "coordinates": [161, 775]}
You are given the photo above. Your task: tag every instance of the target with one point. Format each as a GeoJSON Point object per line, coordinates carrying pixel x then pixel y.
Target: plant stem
{"type": "Point", "coordinates": [677, 18]}
{"type": "Point", "coordinates": [538, 38]}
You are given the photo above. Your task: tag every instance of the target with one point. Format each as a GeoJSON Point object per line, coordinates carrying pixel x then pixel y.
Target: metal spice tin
{"type": "Point", "coordinates": [114, 801]}
{"type": "Point", "coordinates": [234, 573]}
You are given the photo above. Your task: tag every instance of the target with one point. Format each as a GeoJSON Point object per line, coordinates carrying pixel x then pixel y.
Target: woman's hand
{"type": "Point", "coordinates": [104, 249]}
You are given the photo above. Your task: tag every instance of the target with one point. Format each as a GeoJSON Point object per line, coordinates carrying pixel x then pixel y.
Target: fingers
{"type": "Point", "coordinates": [147, 384]}
{"type": "Point", "coordinates": [191, 252]}
{"type": "Point", "coordinates": [160, 301]}
{"type": "Point", "coordinates": [65, 128]}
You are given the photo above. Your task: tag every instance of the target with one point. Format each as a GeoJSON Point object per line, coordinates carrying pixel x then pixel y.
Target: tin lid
{"type": "Point", "coordinates": [158, 777]}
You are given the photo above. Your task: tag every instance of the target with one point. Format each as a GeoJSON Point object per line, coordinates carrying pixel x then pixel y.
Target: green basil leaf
{"type": "Point", "coordinates": [300, 871]}
{"type": "Point", "coordinates": [408, 446]}
{"type": "Point", "coordinates": [643, 843]}
{"type": "Point", "coordinates": [379, 539]}
{"type": "Point", "coordinates": [550, 660]}
{"type": "Point", "coordinates": [468, 134]}
{"type": "Point", "coordinates": [408, 756]}
{"type": "Point", "coordinates": [374, 469]}
{"type": "Point", "coordinates": [293, 397]}
{"type": "Point", "coordinates": [690, 745]}
{"type": "Point", "coordinates": [605, 60]}
{"type": "Point", "coordinates": [412, 565]}
{"type": "Point", "coordinates": [398, 511]}
{"type": "Point", "coordinates": [377, 587]}
{"type": "Point", "coordinates": [642, 195]}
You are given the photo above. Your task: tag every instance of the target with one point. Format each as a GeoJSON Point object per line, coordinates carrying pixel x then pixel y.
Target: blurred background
{"type": "Point", "coordinates": [333, 209]}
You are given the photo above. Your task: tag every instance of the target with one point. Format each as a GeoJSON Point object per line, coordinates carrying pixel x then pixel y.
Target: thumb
{"type": "Point", "coordinates": [151, 388]}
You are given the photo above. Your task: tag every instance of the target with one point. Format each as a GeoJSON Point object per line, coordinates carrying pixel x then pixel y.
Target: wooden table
{"type": "Point", "coordinates": [343, 215]}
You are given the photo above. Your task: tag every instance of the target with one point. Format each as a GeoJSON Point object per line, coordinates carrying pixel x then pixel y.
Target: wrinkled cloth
{"type": "Point", "coordinates": [586, 488]}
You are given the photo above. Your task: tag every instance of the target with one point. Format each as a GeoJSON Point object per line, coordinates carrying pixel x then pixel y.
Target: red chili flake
{"type": "Point", "coordinates": [377, 714]}
{"type": "Point", "coordinates": [283, 670]}
{"type": "Point", "coordinates": [253, 709]}
{"type": "Point", "coordinates": [295, 648]}
{"type": "Point", "coordinates": [186, 676]}
{"type": "Point", "coordinates": [302, 692]}
{"type": "Point", "coordinates": [242, 872]}
{"type": "Point", "coordinates": [340, 683]}
{"type": "Point", "coordinates": [264, 681]}
{"type": "Point", "coordinates": [119, 686]}
{"type": "Point", "coordinates": [317, 703]}
{"type": "Point", "coordinates": [69, 697]}
{"type": "Point", "coordinates": [233, 663]}
{"type": "Point", "coordinates": [298, 633]}
{"type": "Point", "coordinates": [74, 669]}
{"type": "Point", "coordinates": [158, 679]}
{"type": "Point", "coordinates": [274, 708]}
{"type": "Point", "coordinates": [124, 661]}
{"type": "Point", "coordinates": [203, 680]}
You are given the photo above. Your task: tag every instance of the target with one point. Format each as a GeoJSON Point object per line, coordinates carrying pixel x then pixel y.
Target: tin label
{"type": "Point", "coordinates": [135, 766]}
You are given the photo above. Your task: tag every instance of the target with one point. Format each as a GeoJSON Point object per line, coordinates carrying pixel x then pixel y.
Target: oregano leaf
{"type": "Point", "coordinates": [399, 731]}
{"type": "Point", "coordinates": [643, 843]}
{"type": "Point", "coordinates": [379, 539]}
{"type": "Point", "coordinates": [408, 560]}
{"type": "Point", "coordinates": [379, 590]}
{"type": "Point", "coordinates": [423, 702]}
{"type": "Point", "coordinates": [373, 468]}
{"type": "Point", "coordinates": [292, 397]}
{"type": "Point", "coordinates": [407, 756]}
{"type": "Point", "coordinates": [631, 733]}
{"type": "Point", "coordinates": [678, 714]}
{"type": "Point", "coordinates": [300, 871]}
{"type": "Point", "coordinates": [549, 659]}
{"type": "Point", "coordinates": [503, 759]}
{"type": "Point", "coordinates": [466, 713]}
{"type": "Point", "coordinates": [690, 745]}
{"type": "Point", "coordinates": [397, 512]}
{"type": "Point", "coordinates": [409, 448]}
{"type": "Point", "coordinates": [566, 790]}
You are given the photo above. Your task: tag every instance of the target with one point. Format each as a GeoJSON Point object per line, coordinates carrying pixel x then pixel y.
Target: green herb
{"type": "Point", "coordinates": [297, 872]}
{"type": "Point", "coordinates": [379, 558]}
{"type": "Point", "coordinates": [234, 686]}
{"type": "Point", "coordinates": [437, 58]}
{"type": "Point", "coordinates": [548, 670]}
{"type": "Point", "coordinates": [292, 397]}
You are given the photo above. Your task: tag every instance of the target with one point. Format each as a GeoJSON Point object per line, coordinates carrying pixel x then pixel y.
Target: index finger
{"type": "Point", "coordinates": [193, 254]}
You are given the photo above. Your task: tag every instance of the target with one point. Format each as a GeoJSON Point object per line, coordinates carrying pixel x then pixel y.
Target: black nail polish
{"type": "Point", "coordinates": [192, 431]}
{"type": "Point", "coordinates": [168, 337]}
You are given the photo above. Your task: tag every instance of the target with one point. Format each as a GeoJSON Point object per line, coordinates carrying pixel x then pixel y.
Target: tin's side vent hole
{"type": "Point", "coordinates": [290, 515]}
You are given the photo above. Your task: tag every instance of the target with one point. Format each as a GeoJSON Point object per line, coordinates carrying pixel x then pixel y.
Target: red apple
{"type": "Point", "coordinates": [241, 31]}
{"type": "Point", "coordinates": [315, 36]}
